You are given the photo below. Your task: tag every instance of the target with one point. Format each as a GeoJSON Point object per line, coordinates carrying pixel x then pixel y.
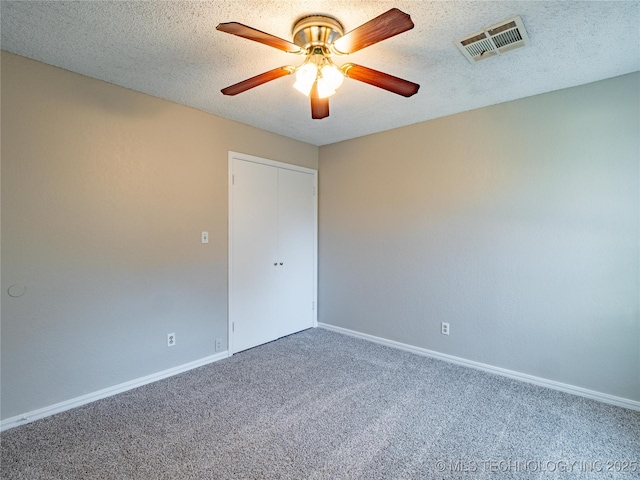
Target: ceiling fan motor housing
{"type": "Point", "coordinates": [316, 31]}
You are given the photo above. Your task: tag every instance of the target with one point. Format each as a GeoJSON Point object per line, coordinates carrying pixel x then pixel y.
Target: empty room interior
{"type": "Point", "coordinates": [320, 239]}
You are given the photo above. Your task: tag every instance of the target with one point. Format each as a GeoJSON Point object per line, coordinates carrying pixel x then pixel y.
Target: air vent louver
{"type": "Point", "coordinates": [495, 40]}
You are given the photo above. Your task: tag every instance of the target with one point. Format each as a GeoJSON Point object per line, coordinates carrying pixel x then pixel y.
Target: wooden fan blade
{"type": "Point", "coordinates": [265, 77]}
{"type": "Point", "coordinates": [235, 28]}
{"type": "Point", "coordinates": [380, 79]}
{"type": "Point", "coordinates": [385, 26]}
{"type": "Point", "coordinates": [319, 106]}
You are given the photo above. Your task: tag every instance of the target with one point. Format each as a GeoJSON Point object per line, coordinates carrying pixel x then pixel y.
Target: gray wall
{"type": "Point", "coordinates": [517, 223]}
{"type": "Point", "coordinates": [104, 194]}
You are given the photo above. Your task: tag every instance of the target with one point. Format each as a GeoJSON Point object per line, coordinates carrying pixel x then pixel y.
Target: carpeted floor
{"type": "Point", "coordinates": [320, 405]}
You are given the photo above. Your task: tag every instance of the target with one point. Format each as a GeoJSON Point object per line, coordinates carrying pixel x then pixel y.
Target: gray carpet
{"type": "Point", "coordinates": [319, 405]}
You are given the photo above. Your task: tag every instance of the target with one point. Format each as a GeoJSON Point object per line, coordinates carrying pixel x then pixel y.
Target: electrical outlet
{"type": "Point", "coordinates": [171, 339]}
{"type": "Point", "coordinates": [218, 344]}
{"type": "Point", "coordinates": [444, 328]}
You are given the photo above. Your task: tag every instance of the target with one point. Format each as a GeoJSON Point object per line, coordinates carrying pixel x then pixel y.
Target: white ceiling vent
{"type": "Point", "coordinates": [494, 40]}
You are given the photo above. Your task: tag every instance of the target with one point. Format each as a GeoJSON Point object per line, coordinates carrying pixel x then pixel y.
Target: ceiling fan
{"type": "Point", "coordinates": [319, 38]}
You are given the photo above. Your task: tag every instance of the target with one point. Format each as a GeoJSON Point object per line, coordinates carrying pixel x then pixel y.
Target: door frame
{"type": "Point", "coordinates": [264, 161]}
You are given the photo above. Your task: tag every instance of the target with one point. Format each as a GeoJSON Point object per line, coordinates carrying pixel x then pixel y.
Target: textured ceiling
{"type": "Point", "coordinates": [170, 49]}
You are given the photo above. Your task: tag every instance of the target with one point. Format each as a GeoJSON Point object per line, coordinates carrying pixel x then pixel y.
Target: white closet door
{"type": "Point", "coordinates": [296, 250]}
{"type": "Point", "coordinates": [272, 235]}
{"type": "Point", "coordinates": [254, 237]}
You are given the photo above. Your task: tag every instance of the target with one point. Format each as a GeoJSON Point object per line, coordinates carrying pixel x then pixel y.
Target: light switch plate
{"type": "Point", "coordinates": [205, 237]}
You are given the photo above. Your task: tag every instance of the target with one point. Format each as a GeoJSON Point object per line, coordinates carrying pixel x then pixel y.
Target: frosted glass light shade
{"type": "Point", "coordinates": [305, 77]}
{"type": "Point", "coordinates": [324, 88]}
{"type": "Point", "coordinates": [321, 71]}
{"type": "Point", "coordinates": [332, 76]}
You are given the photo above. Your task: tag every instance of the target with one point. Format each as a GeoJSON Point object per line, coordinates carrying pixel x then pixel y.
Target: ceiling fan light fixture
{"type": "Point", "coordinates": [323, 72]}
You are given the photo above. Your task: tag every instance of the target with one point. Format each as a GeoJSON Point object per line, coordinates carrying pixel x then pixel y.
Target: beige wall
{"type": "Point", "coordinates": [518, 224]}
{"type": "Point", "coordinates": [104, 194]}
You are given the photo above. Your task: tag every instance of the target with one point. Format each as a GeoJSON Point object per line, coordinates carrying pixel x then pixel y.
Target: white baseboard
{"type": "Point", "coordinates": [106, 392]}
{"type": "Point", "coordinates": [123, 387]}
{"type": "Point", "coordinates": [543, 382]}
